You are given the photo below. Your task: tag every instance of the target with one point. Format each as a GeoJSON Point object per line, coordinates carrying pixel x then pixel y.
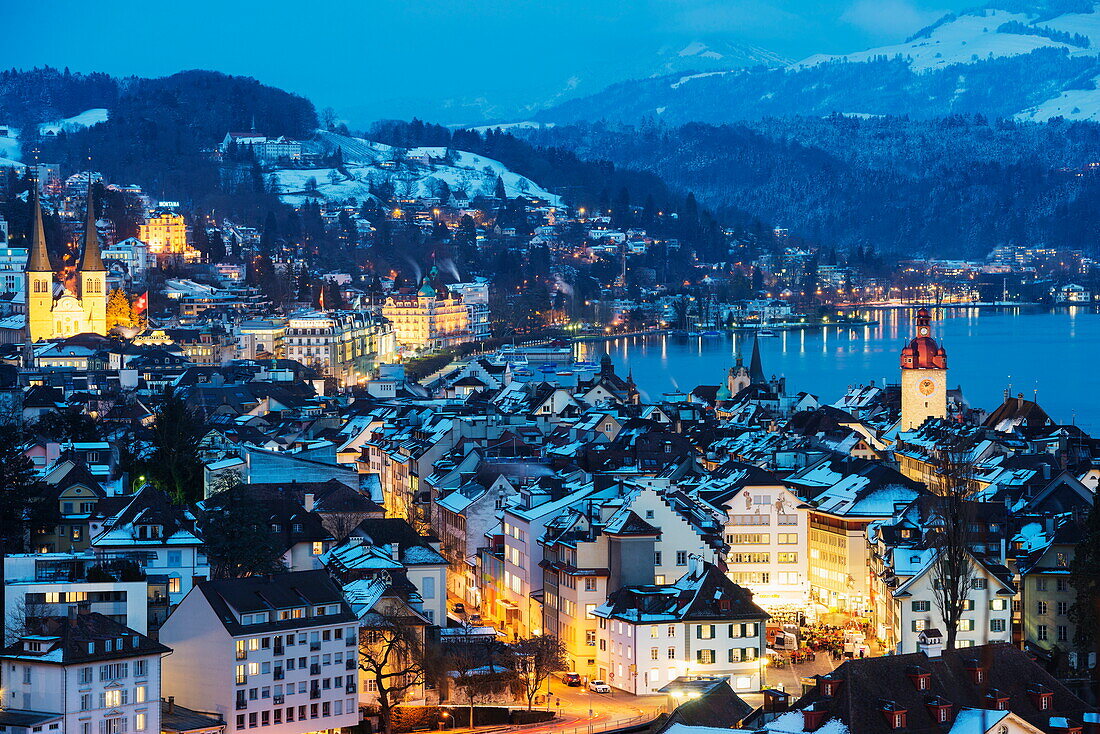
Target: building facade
{"type": "Point", "coordinates": [277, 654]}
{"type": "Point", "coordinates": [80, 305]}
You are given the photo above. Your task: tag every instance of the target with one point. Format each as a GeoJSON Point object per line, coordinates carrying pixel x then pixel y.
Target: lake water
{"type": "Point", "coordinates": [1052, 355]}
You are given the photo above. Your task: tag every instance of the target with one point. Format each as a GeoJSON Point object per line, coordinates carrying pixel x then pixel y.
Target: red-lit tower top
{"type": "Point", "coordinates": [923, 353]}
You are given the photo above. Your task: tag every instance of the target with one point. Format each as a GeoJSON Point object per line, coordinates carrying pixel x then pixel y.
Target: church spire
{"type": "Point", "coordinates": [756, 370]}
{"type": "Point", "coordinates": [90, 260]}
{"type": "Point", "coordinates": [38, 260]}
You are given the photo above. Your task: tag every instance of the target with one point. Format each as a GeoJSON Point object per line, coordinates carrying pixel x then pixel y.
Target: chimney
{"type": "Point", "coordinates": [171, 704]}
{"type": "Point", "coordinates": [308, 501]}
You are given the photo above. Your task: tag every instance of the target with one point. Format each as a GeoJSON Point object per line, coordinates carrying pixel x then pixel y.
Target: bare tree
{"type": "Point", "coordinates": [478, 667]}
{"type": "Point", "coordinates": [21, 619]}
{"type": "Point", "coordinates": [394, 654]}
{"type": "Point", "coordinates": [954, 566]}
{"type": "Point", "coordinates": [537, 657]}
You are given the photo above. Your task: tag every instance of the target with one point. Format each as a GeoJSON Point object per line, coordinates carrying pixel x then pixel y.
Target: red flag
{"type": "Point", "coordinates": [141, 302]}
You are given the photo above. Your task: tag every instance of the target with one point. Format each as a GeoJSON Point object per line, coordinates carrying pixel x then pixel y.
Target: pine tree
{"type": "Point", "coordinates": [1085, 580]}
{"type": "Point", "coordinates": [119, 312]}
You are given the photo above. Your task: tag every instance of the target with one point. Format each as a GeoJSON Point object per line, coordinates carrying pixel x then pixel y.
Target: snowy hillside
{"type": "Point", "coordinates": [87, 118]}
{"type": "Point", "coordinates": [975, 36]}
{"type": "Point", "coordinates": [1029, 59]}
{"type": "Point", "coordinates": [414, 172]}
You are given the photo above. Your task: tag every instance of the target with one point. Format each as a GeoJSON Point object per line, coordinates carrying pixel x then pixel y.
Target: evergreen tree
{"type": "Point", "coordinates": [1085, 580]}
{"type": "Point", "coordinates": [175, 465]}
{"type": "Point", "coordinates": [499, 191]}
{"type": "Point", "coordinates": [119, 311]}
{"type": "Point", "coordinates": [237, 537]}
{"type": "Point", "coordinates": [21, 505]}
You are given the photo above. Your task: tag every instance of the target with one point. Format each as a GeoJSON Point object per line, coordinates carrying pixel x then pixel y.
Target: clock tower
{"type": "Point", "coordinates": [923, 377]}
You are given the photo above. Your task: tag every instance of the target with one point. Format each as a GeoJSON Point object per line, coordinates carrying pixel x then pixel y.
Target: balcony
{"type": "Point", "coordinates": [242, 654]}
{"type": "Point", "coordinates": [278, 700]}
{"type": "Point", "coordinates": [314, 693]}
{"type": "Point", "coordinates": [278, 674]}
{"type": "Point", "coordinates": [278, 647]}
{"type": "Point", "coordinates": [349, 664]}
{"type": "Point", "coordinates": [315, 669]}
{"type": "Point", "coordinates": [350, 688]}
{"type": "Point", "coordinates": [314, 645]}
{"type": "Point", "coordinates": [241, 704]}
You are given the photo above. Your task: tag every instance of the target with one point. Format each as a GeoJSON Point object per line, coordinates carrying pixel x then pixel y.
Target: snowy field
{"type": "Point", "coordinates": [415, 172]}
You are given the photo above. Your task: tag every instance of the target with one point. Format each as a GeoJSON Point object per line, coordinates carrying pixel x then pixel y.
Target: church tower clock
{"type": "Point", "coordinates": [923, 377]}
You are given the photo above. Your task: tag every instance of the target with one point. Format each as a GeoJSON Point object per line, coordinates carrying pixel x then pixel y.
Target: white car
{"type": "Point", "coordinates": [599, 686]}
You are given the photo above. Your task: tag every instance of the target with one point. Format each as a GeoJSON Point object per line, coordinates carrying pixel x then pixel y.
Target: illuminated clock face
{"type": "Point", "coordinates": [927, 387]}
{"type": "Point", "coordinates": [923, 331]}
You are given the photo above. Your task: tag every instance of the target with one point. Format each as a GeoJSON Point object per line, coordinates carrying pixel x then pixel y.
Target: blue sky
{"type": "Point", "coordinates": [392, 58]}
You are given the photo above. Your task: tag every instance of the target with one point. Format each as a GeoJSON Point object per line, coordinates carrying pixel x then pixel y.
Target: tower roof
{"type": "Point", "coordinates": [756, 370]}
{"type": "Point", "coordinates": [923, 353]}
{"type": "Point", "coordinates": [90, 261]}
{"type": "Point", "coordinates": [38, 259]}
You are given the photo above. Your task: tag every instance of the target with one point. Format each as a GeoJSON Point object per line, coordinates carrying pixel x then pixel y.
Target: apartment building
{"type": "Point", "coordinates": [83, 673]}
{"type": "Point", "coordinates": [702, 624]}
{"type": "Point", "coordinates": [275, 653]}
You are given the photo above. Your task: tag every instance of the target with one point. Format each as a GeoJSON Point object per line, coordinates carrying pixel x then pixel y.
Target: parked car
{"type": "Point", "coordinates": [474, 619]}
{"type": "Point", "coordinates": [460, 608]}
{"type": "Point", "coordinates": [598, 686]}
{"type": "Point", "coordinates": [572, 679]}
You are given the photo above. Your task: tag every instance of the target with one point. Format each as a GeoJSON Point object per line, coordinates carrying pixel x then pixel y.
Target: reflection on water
{"type": "Point", "coordinates": [1046, 354]}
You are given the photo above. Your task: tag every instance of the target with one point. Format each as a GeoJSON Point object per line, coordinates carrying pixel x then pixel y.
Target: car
{"type": "Point", "coordinates": [460, 608]}
{"type": "Point", "coordinates": [598, 686]}
{"type": "Point", "coordinates": [571, 679]}
{"type": "Point", "coordinates": [474, 619]}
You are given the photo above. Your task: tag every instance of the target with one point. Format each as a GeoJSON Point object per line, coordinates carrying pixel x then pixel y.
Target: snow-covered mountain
{"type": "Point", "coordinates": [414, 172]}
{"type": "Point", "coordinates": [1042, 57]}
{"type": "Point", "coordinates": [548, 90]}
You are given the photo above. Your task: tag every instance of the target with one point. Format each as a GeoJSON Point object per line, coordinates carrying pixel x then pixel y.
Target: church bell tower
{"type": "Point", "coordinates": [39, 275]}
{"type": "Point", "coordinates": [93, 275]}
{"type": "Point", "coordinates": [923, 377]}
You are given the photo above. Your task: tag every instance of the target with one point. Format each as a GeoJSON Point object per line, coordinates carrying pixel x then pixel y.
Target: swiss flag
{"type": "Point", "coordinates": [141, 302]}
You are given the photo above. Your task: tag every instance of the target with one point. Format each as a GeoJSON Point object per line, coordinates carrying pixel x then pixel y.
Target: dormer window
{"type": "Point", "coordinates": [150, 532]}
{"type": "Point", "coordinates": [1041, 696]}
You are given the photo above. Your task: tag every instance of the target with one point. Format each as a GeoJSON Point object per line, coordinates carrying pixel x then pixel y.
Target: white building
{"type": "Point", "coordinates": [767, 531]}
{"type": "Point", "coordinates": [276, 653]}
{"type": "Point", "coordinates": [703, 624]}
{"type": "Point", "coordinates": [13, 260]}
{"type": "Point", "coordinates": [83, 674]}
{"type": "Point", "coordinates": [52, 584]}
{"type": "Point", "coordinates": [162, 536]}
{"type": "Point", "coordinates": [475, 296]}
{"type": "Point", "coordinates": [987, 615]}
{"type": "Point", "coordinates": [130, 260]}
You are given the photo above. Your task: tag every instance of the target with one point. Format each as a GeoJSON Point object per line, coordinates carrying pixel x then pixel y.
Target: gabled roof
{"type": "Point", "coordinates": [703, 593]}
{"type": "Point", "coordinates": [230, 598]}
{"type": "Point", "coordinates": [869, 682]}
{"type": "Point", "coordinates": [81, 638]}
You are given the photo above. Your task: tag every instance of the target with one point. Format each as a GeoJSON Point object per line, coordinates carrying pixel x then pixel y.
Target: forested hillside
{"type": "Point", "coordinates": [951, 187]}
{"type": "Point", "coordinates": [41, 95]}
{"type": "Point", "coordinates": [158, 130]}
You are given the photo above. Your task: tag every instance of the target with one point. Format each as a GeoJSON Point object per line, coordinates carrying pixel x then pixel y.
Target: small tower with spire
{"type": "Point", "coordinates": [39, 275]}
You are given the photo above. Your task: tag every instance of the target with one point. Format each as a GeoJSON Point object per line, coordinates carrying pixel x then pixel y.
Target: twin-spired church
{"type": "Point", "coordinates": [56, 310]}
